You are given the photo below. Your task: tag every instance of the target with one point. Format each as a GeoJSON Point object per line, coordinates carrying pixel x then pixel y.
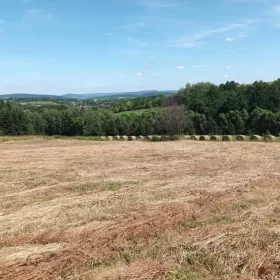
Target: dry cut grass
{"type": "Point", "coordinates": [139, 210]}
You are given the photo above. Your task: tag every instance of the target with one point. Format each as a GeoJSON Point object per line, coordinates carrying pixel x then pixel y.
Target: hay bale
{"type": "Point", "coordinates": [140, 137]}
{"type": "Point", "coordinates": [194, 138]}
{"type": "Point", "coordinates": [109, 138]}
{"type": "Point", "coordinates": [269, 138]}
{"type": "Point", "coordinates": [227, 138]}
{"type": "Point", "coordinates": [117, 138]}
{"type": "Point", "coordinates": [102, 138]}
{"type": "Point", "coordinates": [156, 138]}
{"type": "Point", "coordinates": [131, 138]}
{"type": "Point", "coordinates": [204, 138]}
{"type": "Point", "coordinates": [149, 137]}
{"type": "Point", "coordinates": [186, 137]}
{"type": "Point", "coordinates": [165, 137]}
{"type": "Point", "coordinates": [215, 138]}
{"type": "Point", "coordinates": [256, 138]}
{"type": "Point", "coordinates": [241, 138]}
{"type": "Point", "coordinates": [123, 138]}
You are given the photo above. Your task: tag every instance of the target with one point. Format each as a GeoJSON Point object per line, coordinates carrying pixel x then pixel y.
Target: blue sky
{"type": "Point", "coordinates": [62, 46]}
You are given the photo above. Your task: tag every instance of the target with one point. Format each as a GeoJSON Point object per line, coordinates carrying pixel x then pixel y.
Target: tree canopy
{"type": "Point", "coordinates": [202, 108]}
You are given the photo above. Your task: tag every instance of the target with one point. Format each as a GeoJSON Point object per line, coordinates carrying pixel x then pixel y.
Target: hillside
{"type": "Point", "coordinates": [72, 96]}
{"type": "Point", "coordinates": [139, 210]}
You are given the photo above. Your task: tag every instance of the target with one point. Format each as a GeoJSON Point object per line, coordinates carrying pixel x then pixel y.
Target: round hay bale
{"type": "Point", "coordinates": [123, 138]}
{"type": "Point", "coordinates": [186, 137]}
{"type": "Point", "coordinates": [116, 138]}
{"type": "Point", "coordinates": [140, 137]}
{"type": "Point", "coordinates": [156, 138]}
{"type": "Point", "coordinates": [165, 137]}
{"type": "Point", "coordinates": [194, 138]}
{"type": "Point", "coordinates": [215, 138]}
{"type": "Point", "coordinates": [227, 138]}
{"type": "Point", "coordinates": [256, 138]}
{"type": "Point", "coordinates": [148, 137]}
{"type": "Point", "coordinates": [109, 138]}
{"type": "Point", "coordinates": [131, 138]}
{"type": "Point", "coordinates": [102, 138]}
{"type": "Point", "coordinates": [269, 138]}
{"type": "Point", "coordinates": [241, 138]}
{"type": "Point", "coordinates": [204, 138]}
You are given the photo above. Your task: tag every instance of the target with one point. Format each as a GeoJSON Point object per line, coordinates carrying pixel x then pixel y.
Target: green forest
{"type": "Point", "coordinates": [201, 108]}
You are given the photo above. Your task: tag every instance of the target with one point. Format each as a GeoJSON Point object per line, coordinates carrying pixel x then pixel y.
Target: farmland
{"type": "Point", "coordinates": [72, 209]}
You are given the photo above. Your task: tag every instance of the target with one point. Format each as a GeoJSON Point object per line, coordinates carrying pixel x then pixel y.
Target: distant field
{"type": "Point", "coordinates": [139, 112]}
{"type": "Point", "coordinates": [188, 210]}
{"type": "Point", "coordinates": [41, 103]}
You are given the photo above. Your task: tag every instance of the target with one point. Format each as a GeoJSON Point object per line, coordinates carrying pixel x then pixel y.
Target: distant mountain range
{"type": "Point", "coordinates": [72, 96]}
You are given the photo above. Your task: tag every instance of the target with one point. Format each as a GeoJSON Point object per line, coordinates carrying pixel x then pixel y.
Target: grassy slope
{"type": "Point", "coordinates": [86, 214]}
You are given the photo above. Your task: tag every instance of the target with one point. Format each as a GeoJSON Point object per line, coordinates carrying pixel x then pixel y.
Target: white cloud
{"type": "Point", "coordinates": [195, 40]}
{"type": "Point", "coordinates": [226, 76]}
{"type": "Point", "coordinates": [228, 67]}
{"type": "Point", "coordinates": [228, 39]}
{"type": "Point", "coordinates": [139, 74]}
{"type": "Point", "coordinates": [181, 67]}
{"type": "Point", "coordinates": [238, 37]}
{"type": "Point", "coordinates": [34, 16]}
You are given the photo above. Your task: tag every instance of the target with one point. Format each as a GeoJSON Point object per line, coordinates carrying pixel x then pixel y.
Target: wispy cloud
{"type": "Point", "coordinates": [134, 25]}
{"type": "Point", "coordinates": [226, 76]}
{"type": "Point", "coordinates": [33, 16]}
{"type": "Point", "coordinates": [181, 67]}
{"type": "Point", "coordinates": [196, 39]}
{"type": "Point", "coordinates": [275, 12]}
{"type": "Point", "coordinates": [136, 42]}
{"type": "Point", "coordinates": [229, 39]}
{"type": "Point", "coordinates": [228, 67]}
{"type": "Point", "coordinates": [276, 9]}
{"type": "Point", "coordinates": [239, 36]}
{"type": "Point", "coordinates": [139, 74]}
{"type": "Point", "coordinates": [159, 4]}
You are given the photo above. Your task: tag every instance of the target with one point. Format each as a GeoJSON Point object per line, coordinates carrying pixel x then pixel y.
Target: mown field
{"type": "Point", "coordinates": [72, 209]}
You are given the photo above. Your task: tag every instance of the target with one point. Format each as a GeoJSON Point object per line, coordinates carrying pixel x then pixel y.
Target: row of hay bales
{"type": "Point", "coordinates": [122, 138]}
{"type": "Point", "coordinates": [225, 138]}
{"type": "Point", "coordinates": [229, 138]}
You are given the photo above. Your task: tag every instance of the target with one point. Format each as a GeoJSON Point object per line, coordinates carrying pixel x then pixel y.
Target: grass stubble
{"type": "Point", "coordinates": [73, 209]}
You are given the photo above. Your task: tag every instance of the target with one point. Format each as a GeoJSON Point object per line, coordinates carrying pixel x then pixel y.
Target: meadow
{"type": "Point", "coordinates": [72, 209]}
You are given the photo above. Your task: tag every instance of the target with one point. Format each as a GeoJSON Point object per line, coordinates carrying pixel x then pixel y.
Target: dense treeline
{"type": "Point", "coordinates": [204, 108]}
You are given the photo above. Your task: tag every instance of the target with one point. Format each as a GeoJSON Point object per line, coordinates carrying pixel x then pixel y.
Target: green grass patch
{"type": "Point", "coordinates": [102, 186]}
{"type": "Point", "coordinates": [47, 198]}
{"type": "Point", "coordinates": [40, 103]}
{"type": "Point", "coordinates": [212, 220]}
